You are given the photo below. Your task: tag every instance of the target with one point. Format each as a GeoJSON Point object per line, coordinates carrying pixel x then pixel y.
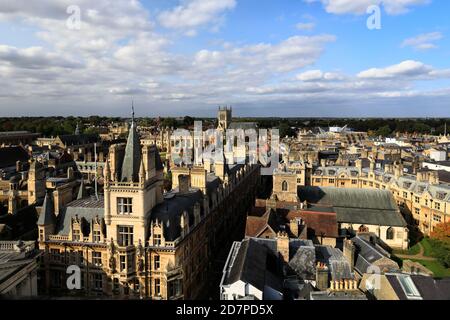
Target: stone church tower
{"type": "Point", "coordinates": [224, 117]}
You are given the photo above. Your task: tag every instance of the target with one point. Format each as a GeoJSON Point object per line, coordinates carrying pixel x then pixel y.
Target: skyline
{"type": "Point", "coordinates": [304, 58]}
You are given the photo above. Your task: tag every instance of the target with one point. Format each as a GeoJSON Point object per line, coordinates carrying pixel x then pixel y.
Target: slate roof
{"type": "Point", "coordinates": [338, 266]}
{"type": "Point", "coordinates": [79, 139]}
{"type": "Point", "coordinates": [359, 206]}
{"type": "Point", "coordinates": [170, 210]}
{"type": "Point", "coordinates": [47, 216]}
{"type": "Point", "coordinates": [429, 288]}
{"type": "Point", "coordinates": [86, 208]}
{"type": "Point", "coordinates": [11, 261]}
{"type": "Point", "coordinates": [253, 263]}
{"type": "Point", "coordinates": [303, 262]}
{"type": "Point", "coordinates": [10, 155]}
{"type": "Point", "coordinates": [366, 254]}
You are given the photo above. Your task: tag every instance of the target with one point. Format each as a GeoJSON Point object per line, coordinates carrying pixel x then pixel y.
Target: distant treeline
{"type": "Point", "coordinates": [53, 126]}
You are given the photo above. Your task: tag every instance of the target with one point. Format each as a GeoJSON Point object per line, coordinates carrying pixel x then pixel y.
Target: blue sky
{"type": "Point", "coordinates": [186, 57]}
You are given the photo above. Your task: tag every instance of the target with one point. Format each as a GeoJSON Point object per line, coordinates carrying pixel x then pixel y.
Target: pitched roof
{"type": "Point", "coordinates": [255, 264]}
{"type": "Point", "coordinates": [47, 216]}
{"type": "Point", "coordinates": [256, 225]}
{"type": "Point", "coordinates": [10, 155]}
{"type": "Point", "coordinates": [318, 223]}
{"type": "Point", "coordinates": [360, 206]}
{"type": "Point", "coordinates": [170, 210]}
{"type": "Point", "coordinates": [78, 139]}
{"type": "Point", "coordinates": [429, 288]}
{"type": "Point", "coordinates": [87, 208]}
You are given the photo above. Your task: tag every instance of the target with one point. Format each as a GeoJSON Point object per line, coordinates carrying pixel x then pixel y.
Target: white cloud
{"type": "Point", "coordinates": [318, 75]}
{"type": "Point", "coordinates": [405, 69]}
{"type": "Point", "coordinates": [192, 14]}
{"type": "Point", "coordinates": [360, 6]}
{"type": "Point", "coordinates": [423, 41]}
{"type": "Point", "coordinates": [305, 26]}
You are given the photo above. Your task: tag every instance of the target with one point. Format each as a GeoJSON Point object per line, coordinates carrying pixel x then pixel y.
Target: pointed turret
{"type": "Point", "coordinates": [107, 171]}
{"type": "Point", "coordinates": [132, 160]}
{"type": "Point", "coordinates": [47, 216]}
{"type": "Point", "coordinates": [142, 172]}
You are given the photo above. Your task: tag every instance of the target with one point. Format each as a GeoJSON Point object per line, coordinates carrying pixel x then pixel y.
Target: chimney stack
{"type": "Point", "coordinates": [283, 245]}
{"type": "Point", "coordinates": [349, 252]}
{"type": "Point", "coordinates": [183, 183]}
{"type": "Point", "coordinates": [321, 276]}
{"type": "Point", "coordinates": [294, 226]}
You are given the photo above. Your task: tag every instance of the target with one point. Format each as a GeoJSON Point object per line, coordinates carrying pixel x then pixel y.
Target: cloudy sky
{"type": "Point", "coordinates": [186, 57]}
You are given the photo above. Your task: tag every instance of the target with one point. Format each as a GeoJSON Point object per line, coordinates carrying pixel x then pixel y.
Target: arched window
{"type": "Point", "coordinates": [284, 186]}
{"type": "Point", "coordinates": [390, 233]}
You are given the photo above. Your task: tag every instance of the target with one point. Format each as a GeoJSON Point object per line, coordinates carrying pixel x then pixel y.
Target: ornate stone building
{"type": "Point", "coordinates": [423, 200]}
{"type": "Point", "coordinates": [137, 241]}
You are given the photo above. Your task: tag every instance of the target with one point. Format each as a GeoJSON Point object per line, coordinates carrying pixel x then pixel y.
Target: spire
{"type": "Point", "coordinates": [77, 130]}
{"type": "Point", "coordinates": [47, 216]}
{"type": "Point", "coordinates": [132, 159]}
{"type": "Point", "coordinates": [107, 170]}
{"type": "Point", "coordinates": [82, 191]}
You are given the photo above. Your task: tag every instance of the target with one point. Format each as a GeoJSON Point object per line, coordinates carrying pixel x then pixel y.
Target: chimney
{"type": "Point", "coordinates": [372, 164]}
{"type": "Point", "coordinates": [183, 183]}
{"type": "Point", "coordinates": [349, 252]}
{"type": "Point", "coordinates": [433, 177]}
{"type": "Point", "coordinates": [294, 226]}
{"type": "Point", "coordinates": [388, 168]}
{"type": "Point", "coordinates": [283, 245]}
{"type": "Point", "coordinates": [398, 169]}
{"type": "Point", "coordinates": [321, 276]}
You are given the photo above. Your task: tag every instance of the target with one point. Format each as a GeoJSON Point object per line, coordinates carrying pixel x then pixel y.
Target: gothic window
{"type": "Point", "coordinates": [390, 233]}
{"type": "Point", "coordinates": [284, 186]}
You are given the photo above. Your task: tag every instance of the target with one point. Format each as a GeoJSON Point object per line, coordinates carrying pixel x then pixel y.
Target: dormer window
{"type": "Point", "coordinates": [124, 205]}
{"type": "Point", "coordinates": [76, 235]}
{"type": "Point", "coordinates": [441, 195]}
{"type": "Point", "coordinates": [157, 239]}
{"type": "Point", "coordinates": [96, 236]}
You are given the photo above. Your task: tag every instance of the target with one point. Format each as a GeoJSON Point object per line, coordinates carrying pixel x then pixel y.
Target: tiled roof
{"type": "Point", "coordinates": [320, 223]}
